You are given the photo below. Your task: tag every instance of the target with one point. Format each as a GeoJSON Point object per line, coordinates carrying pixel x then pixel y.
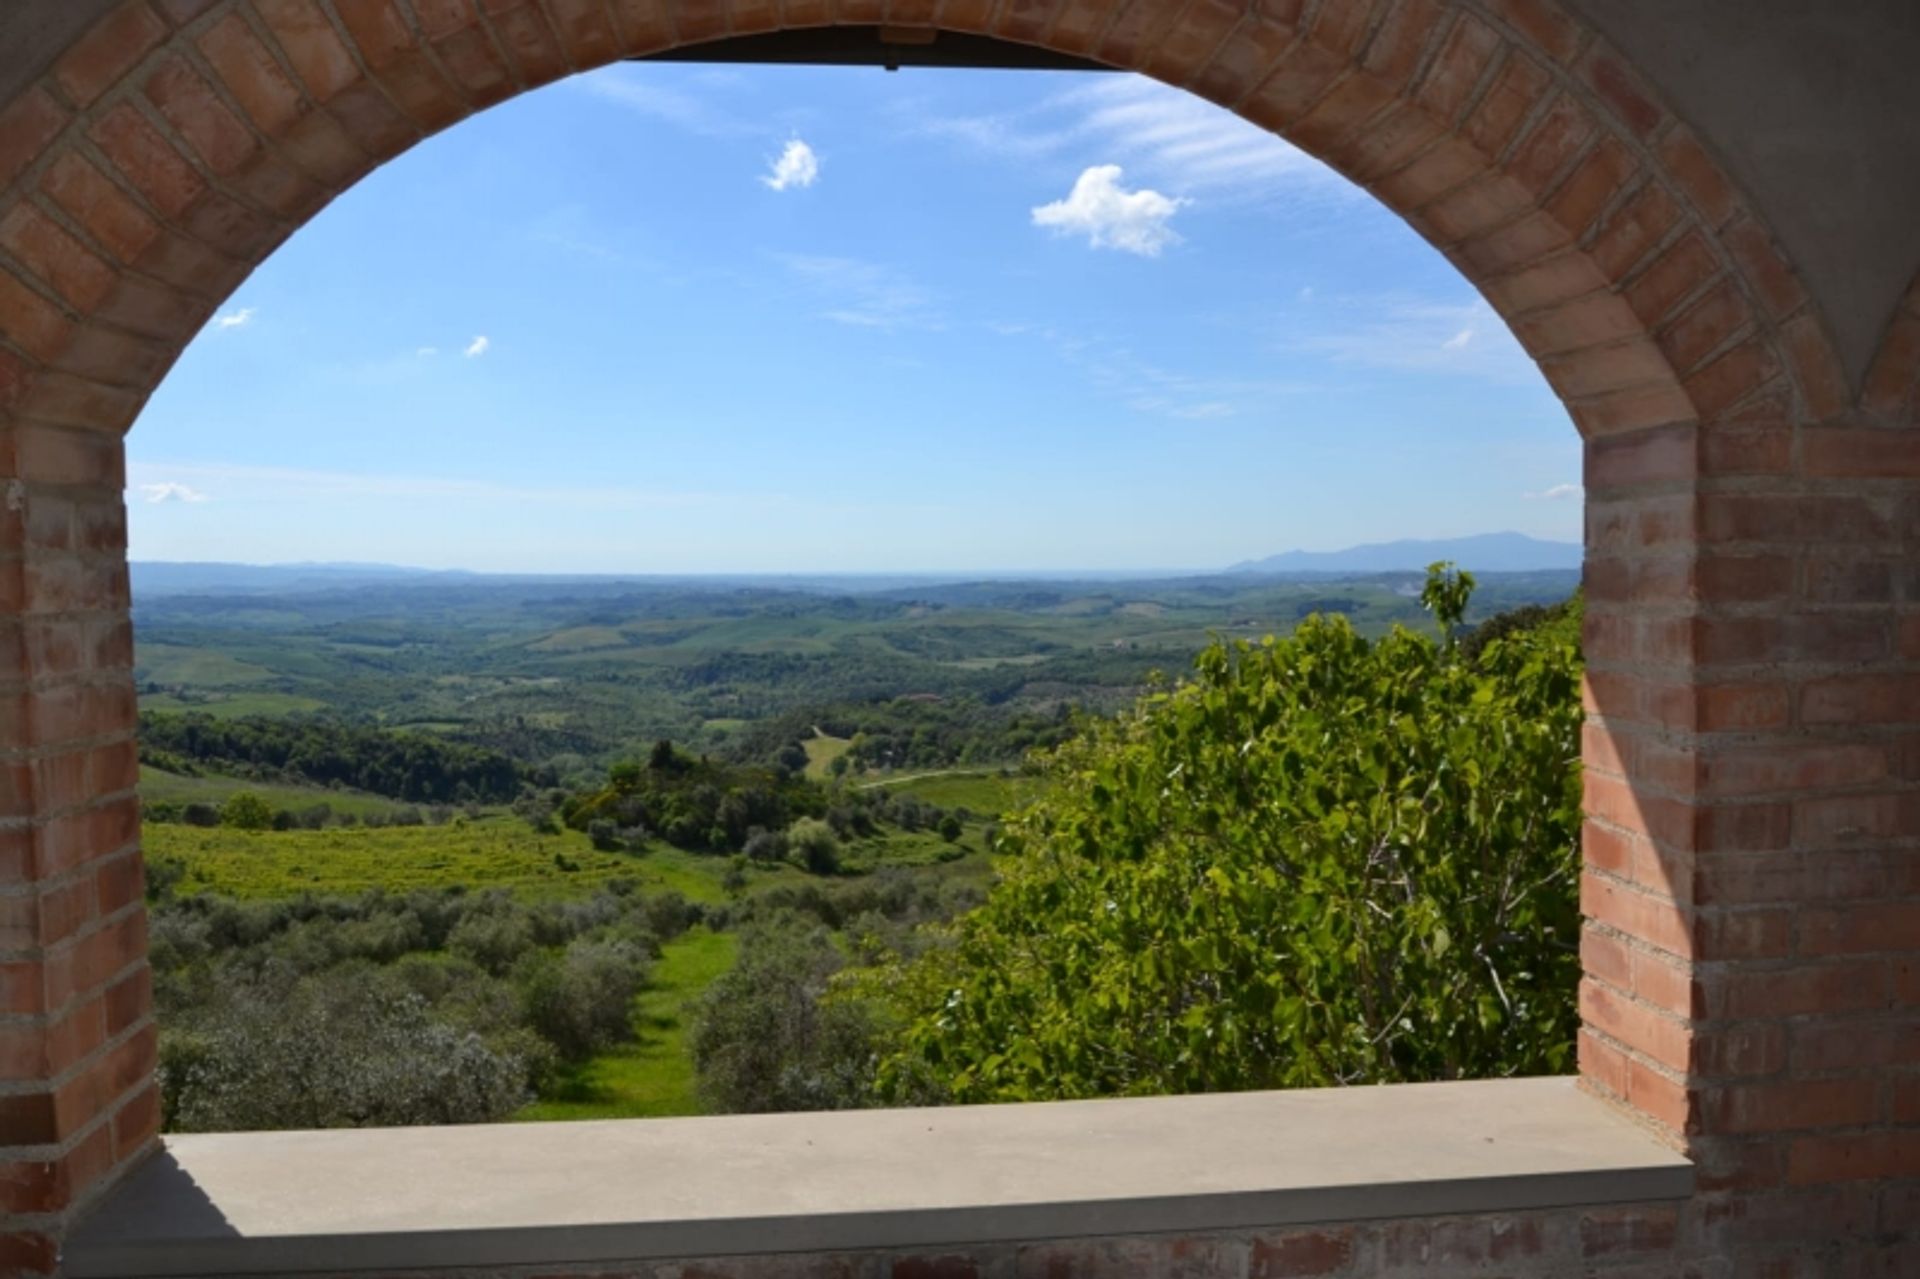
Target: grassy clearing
{"type": "Point", "coordinates": [654, 1075]}
{"type": "Point", "coordinates": [157, 786]}
{"type": "Point", "coordinates": [495, 852]}
{"type": "Point", "coordinates": [232, 705]}
{"type": "Point", "coordinates": [822, 750]}
{"type": "Point", "coordinates": [987, 794]}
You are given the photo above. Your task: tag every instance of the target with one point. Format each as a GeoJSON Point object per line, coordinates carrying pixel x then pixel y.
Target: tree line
{"type": "Point", "coordinates": [413, 767]}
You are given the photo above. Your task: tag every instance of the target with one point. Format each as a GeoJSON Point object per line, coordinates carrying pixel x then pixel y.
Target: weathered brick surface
{"type": "Point", "coordinates": [1752, 881]}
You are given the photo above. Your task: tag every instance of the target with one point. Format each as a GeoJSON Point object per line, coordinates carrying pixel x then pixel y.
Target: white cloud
{"type": "Point", "coordinates": [866, 295]}
{"type": "Point", "coordinates": [171, 491]}
{"type": "Point", "coordinates": [1558, 493]}
{"type": "Point", "coordinates": [1172, 138]}
{"type": "Point", "coordinates": [478, 347]}
{"type": "Point", "coordinates": [234, 319]}
{"type": "Point", "coordinates": [1112, 217]}
{"type": "Point", "coordinates": [797, 166]}
{"type": "Point", "coordinates": [426, 351]}
{"type": "Point", "coordinates": [1458, 342]}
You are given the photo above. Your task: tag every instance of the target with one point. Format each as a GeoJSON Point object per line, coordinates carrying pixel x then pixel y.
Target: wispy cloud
{"type": "Point", "coordinates": [238, 319]}
{"type": "Point", "coordinates": [1419, 335]}
{"type": "Point", "coordinates": [1172, 139]}
{"type": "Point", "coordinates": [1112, 217]}
{"type": "Point", "coordinates": [1117, 372]}
{"type": "Point", "coordinates": [633, 88]}
{"type": "Point", "coordinates": [275, 484]}
{"type": "Point", "coordinates": [478, 347]}
{"type": "Point", "coordinates": [864, 294]}
{"type": "Point", "coordinates": [1558, 493]}
{"type": "Point", "coordinates": [796, 166]}
{"type": "Point", "coordinates": [171, 491]}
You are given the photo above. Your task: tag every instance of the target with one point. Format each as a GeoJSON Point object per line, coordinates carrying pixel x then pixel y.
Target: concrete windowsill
{"type": "Point", "coordinates": [585, 1192]}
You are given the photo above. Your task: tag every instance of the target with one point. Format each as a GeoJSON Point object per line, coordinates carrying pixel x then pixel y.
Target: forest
{"type": "Point", "coordinates": [1338, 849]}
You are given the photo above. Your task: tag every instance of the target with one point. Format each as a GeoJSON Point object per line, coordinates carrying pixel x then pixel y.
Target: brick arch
{"type": "Point", "coordinates": [1732, 637]}
{"type": "Point", "coordinates": [174, 146]}
{"type": "Point", "coordinates": [1893, 378]}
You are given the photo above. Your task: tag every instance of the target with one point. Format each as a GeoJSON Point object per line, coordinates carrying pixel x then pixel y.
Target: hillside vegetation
{"type": "Point", "coordinates": [959, 845]}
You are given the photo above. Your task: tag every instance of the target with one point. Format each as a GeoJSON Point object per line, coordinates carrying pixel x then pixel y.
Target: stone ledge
{"type": "Point", "coordinates": [557, 1194]}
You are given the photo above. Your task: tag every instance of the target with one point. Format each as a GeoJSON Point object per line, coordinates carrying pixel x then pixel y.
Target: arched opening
{"type": "Point", "coordinates": [172, 147]}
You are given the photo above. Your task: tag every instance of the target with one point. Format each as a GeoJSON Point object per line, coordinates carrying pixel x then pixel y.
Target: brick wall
{"type": "Point", "coordinates": [1753, 881]}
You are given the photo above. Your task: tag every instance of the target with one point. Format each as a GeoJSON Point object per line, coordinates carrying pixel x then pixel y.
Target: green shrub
{"type": "Point", "coordinates": [245, 810]}
{"type": "Point", "coordinates": [581, 1001]}
{"type": "Point", "coordinates": [765, 1040]}
{"type": "Point", "coordinates": [812, 843]}
{"type": "Point", "coordinates": [1319, 861]}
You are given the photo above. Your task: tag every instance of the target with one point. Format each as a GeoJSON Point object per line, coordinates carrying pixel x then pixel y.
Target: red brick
{"type": "Point", "coordinates": [1509, 100]}
{"type": "Point", "coordinates": [1829, 989]}
{"type": "Point", "coordinates": [588, 34]}
{"type": "Point", "coordinates": [27, 124]}
{"type": "Point", "coordinates": [530, 44]}
{"type": "Point", "coordinates": [314, 49]}
{"type": "Point", "coordinates": [1299, 79]}
{"type": "Point", "coordinates": [1402, 38]}
{"type": "Point", "coordinates": [1464, 57]}
{"type": "Point", "coordinates": [1620, 366]}
{"type": "Point", "coordinates": [386, 43]}
{"type": "Point", "coordinates": [1862, 928]}
{"type": "Point", "coordinates": [30, 321]}
{"type": "Point", "coordinates": [1301, 1253]}
{"type": "Point", "coordinates": [147, 160]}
{"type": "Point", "coordinates": [1879, 1156]}
{"type": "Point", "coordinates": [1642, 1228]}
{"type": "Point", "coordinates": [1543, 23]}
{"type": "Point", "coordinates": [1631, 410]}
{"type": "Point", "coordinates": [646, 25]}
{"type": "Point", "coordinates": [108, 50]}
{"type": "Point", "coordinates": [1697, 175]}
{"type": "Point", "coordinates": [1662, 456]}
{"type": "Point", "coordinates": [219, 137]}
{"type": "Point", "coordinates": [1659, 923]}
{"type": "Point", "coordinates": [1645, 1029]}
{"type": "Point", "coordinates": [1765, 267]}
{"type": "Point", "coordinates": [136, 1123]}
{"type": "Point", "coordinates": [251, 74]}
{"type": "Point", "coordinates": [1596, 180]}
{"type": "Point", "coordinates": [1632, 230]}
{"type": "Point", "coordinates": [1708, 324]}
{"type": "Point", "coordinates": [1616, 84]}
{"type": "Point", "coordinates": [1799, 1104]}
{"type": "Point", "coordinates": [1552, 145]}
{"type": "Point", "coordinates": [1733, 377]}
{"type": "Point", "coordinates": [1753, 1049]}
{"type": "Point", "coordinates": [90, 198]}
{"type": "Point", "coordinates": [1447, 1244]}
{"type": "Point", "coordinates": [81, 277]}
{"type": "Point", "coordinates": [1862, 453]}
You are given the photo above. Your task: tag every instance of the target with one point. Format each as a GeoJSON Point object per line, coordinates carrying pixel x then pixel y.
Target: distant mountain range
{"type": "Point", "coordinates": [165, 577]}
{"type": "Point", "coordinates": [1488, 553]}
{"type": "Point", "coordinates": [1484, 553]}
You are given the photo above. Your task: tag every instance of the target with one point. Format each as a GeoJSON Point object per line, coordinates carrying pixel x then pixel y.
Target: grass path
{"type": "Point", "coordinates": [653, 1076]}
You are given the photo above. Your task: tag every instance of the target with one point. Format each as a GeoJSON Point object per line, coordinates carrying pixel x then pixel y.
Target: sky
{"type": "Point", "coordinates": [678, 318]}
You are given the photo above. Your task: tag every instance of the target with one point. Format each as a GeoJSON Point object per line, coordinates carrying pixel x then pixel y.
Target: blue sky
{"type": "Point", "coordinates": [676, 318]}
